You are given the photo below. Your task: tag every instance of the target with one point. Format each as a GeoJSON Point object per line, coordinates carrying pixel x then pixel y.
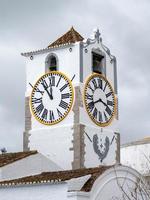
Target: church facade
{"type": "Point", "coordinates": [71, 120]}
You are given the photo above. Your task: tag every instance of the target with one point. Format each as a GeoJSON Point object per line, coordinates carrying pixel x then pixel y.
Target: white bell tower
{"type": "Point", "coordinates": [76, 141]}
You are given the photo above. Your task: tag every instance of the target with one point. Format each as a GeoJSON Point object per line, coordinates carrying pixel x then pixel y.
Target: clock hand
{"type": "Point", "coordinates": [100, 100]}
{"type": "Point", "coordinates": [103, 102]}
{"type": "Point", "coordinates": [97, 101]}
{"type": "Point", "coordinates": [51, 92]}
{"type": "Point", "coordinates": [37, 90]}
{"type": "Point", "coordinates": [50, 96]}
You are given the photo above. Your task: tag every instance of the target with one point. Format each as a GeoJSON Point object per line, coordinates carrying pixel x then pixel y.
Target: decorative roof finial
{"type": "Point", "coordinates": [72, 28]}
{"type": "Point", "coordinates": [96, 34]}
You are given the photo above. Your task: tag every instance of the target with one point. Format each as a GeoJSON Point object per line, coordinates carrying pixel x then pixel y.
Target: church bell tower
{"type": "Point", "coordinates": [71, 102]}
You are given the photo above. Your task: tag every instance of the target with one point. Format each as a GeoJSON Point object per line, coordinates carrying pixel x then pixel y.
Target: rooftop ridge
{"type": "Point", "coordinates": [70, 36]}
{"type": "Point", "coordinates": [8, 158]}
{"type": "Point", "coordinates": [60, 176]}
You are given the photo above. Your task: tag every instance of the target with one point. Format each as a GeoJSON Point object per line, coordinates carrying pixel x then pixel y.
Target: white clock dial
{"type": "Point", "coordinates": [99, 100]}
{"type": "Point", "coordinates": [51, 98]}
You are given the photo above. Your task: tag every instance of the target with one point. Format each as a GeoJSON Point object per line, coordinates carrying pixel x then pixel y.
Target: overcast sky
{"type": "Point", "coordinates": [33, 24]}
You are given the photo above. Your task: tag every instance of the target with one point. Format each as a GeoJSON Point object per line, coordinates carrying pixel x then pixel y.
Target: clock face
{"type": "Point", "coordinates": [51, 98]}
{"type": "Point", "coordinates": [99, 100]}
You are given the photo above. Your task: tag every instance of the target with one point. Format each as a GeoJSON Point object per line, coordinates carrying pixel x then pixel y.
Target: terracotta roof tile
{"type": "Point", "coordinates": [71, 36]}
{"type": "Point", "coordinates": [8, 158]}
{"type": "Point", "coordinates": [60, 176]}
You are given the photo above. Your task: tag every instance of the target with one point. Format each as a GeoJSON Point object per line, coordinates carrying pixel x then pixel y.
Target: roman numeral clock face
{"type": "Point", "coordinates": [99, 100]}
{"type": "Point", "coordinates": [51, 98]}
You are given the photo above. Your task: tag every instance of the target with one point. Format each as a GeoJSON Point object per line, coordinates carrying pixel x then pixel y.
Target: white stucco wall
{"type": "Point", "coordinates": [106, 144]}
{"type": "Point", "coordinates": [137, 157]}
{"type": "Point", "coordinates": [68, 64]}
{"type": "Point", "coordinates": [38, 192]}
{"type": "Point", "coordinates": [55, 143]}
{"type": "Point", "coordinates": [34, 164]}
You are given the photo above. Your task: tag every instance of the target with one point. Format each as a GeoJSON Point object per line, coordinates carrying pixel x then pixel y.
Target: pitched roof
{"type": "Point", "coordinates": [71, 36]}
{"type": "Point", "coordinates": [145, 140]}
{"type": "Point", "coordinates": [8, 158]}
{"type": "Point", "coordinates": [66, 40]}
{"type": "Point", "coordinates": [60, 176]}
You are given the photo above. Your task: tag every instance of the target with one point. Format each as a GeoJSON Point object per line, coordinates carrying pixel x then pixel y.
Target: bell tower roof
{"type": "Point", "coordinates": [70, 36]}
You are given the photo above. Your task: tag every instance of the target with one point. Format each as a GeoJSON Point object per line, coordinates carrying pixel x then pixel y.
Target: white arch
{"type": "Point", "coordinates": [115, 182]}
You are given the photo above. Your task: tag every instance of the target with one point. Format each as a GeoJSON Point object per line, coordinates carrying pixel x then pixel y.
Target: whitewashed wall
{"type": "Point", "coordinates": [137, 157]}
{"type": "Point", "coordinates": [34, 164]}
{"type": "Point", "coordinates": [55, 143]}
{"type": "Point", "coordinates": [68, 64]}
{"type": "Point", "coordinates": [38, 192]}
{"type": "Point", "coordinates": [102, 152]}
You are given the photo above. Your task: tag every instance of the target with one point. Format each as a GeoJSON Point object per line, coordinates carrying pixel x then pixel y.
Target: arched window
{"type": "Point", "coordinates": [51, 63]}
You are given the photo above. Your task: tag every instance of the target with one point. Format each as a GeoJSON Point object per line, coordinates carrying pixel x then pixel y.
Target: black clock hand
{"type": "Point", "coordinates": [37, 90]}
{"type": "Point", "coordinates": [50, 96]}
{"type": "Point", "coordinates": [103, 102]}
{"type": "Point", "coordinates": [100, 100]}
{"type": "Point", "coordinates": [97, 101]}
{"type": "Point", "coordinates": [51, 92]}
{"type": "Point", "coordinates": [108, 110]}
